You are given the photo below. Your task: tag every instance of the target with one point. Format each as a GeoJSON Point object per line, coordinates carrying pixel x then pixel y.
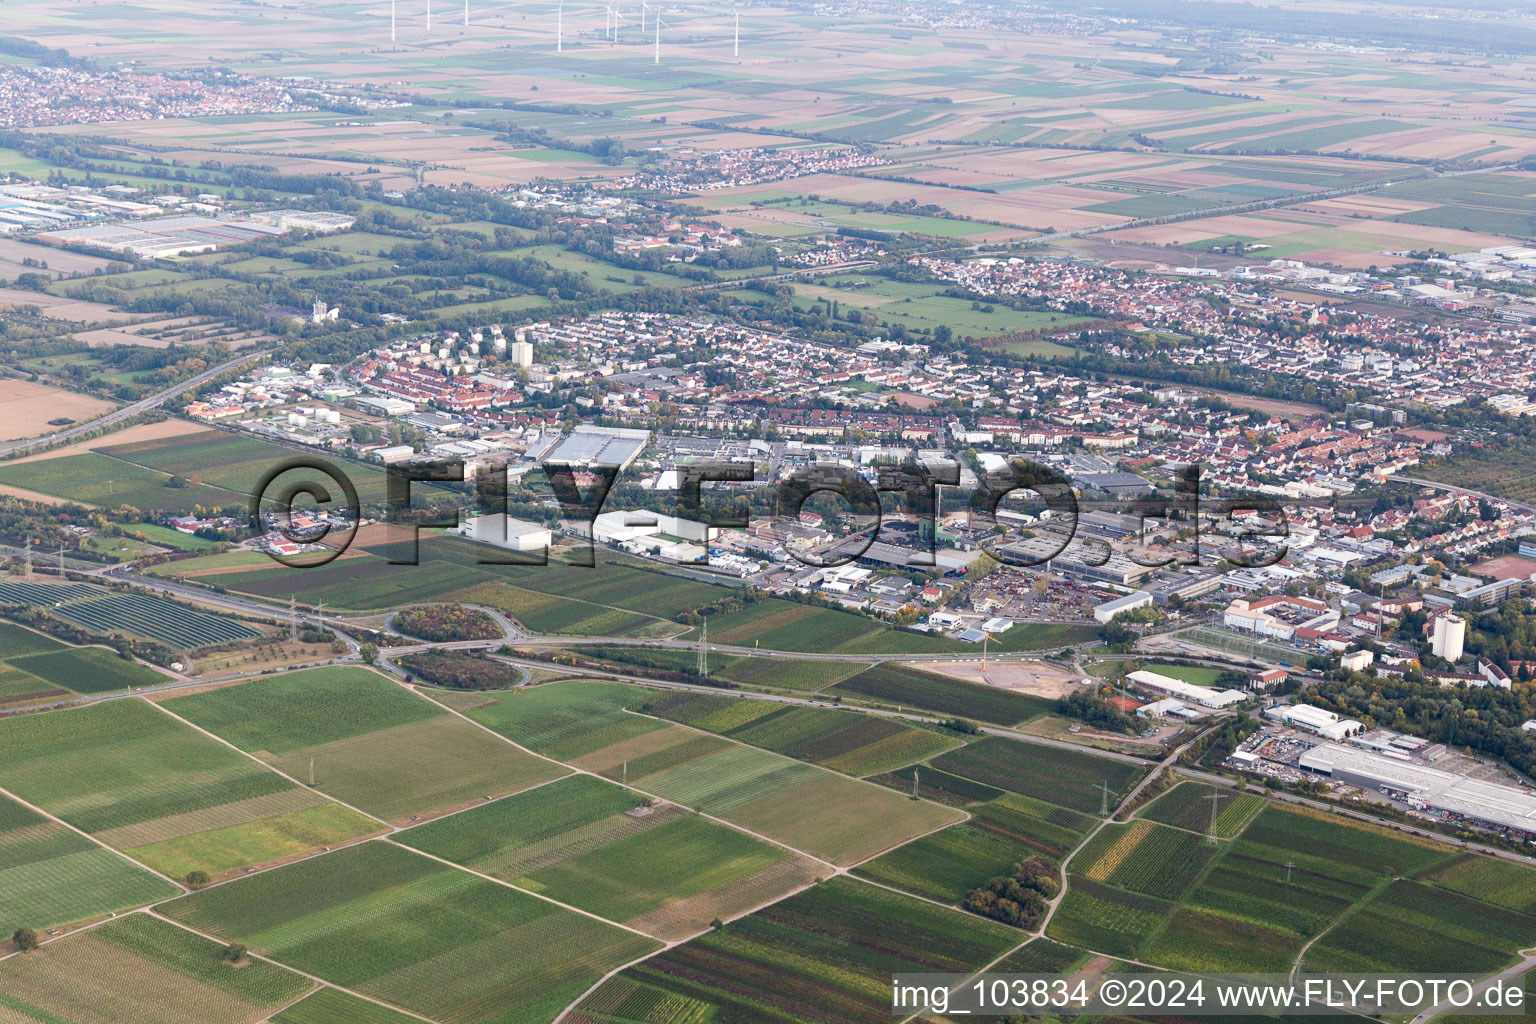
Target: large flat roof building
{"type": "Point", "coordinates": [1203, 695]}
{"type": "Point", "coordinates": [1322, 722]}
{"type": "Point", "coordinates": [1426, 788]}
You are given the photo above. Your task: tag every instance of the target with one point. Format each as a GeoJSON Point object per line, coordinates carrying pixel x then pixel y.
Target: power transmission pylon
{"type": "Point", "coordinates": [1215, 799]}
{"type": "Point", "coordinates": [1288, 866]}
{"type": "Point", "coordinates": [1104, 803]}
{"type": "Point", "coordinates": [293, 620]}
{"type": "Point", "coordinates": [914, 783]}
{"type": "Point", "coordinates": [703, 667]}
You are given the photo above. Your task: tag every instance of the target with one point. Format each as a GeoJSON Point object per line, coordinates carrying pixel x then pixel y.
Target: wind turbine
{"type": "Point", "coordinates": [391, 20]}
{"type": "Point", "coordinates": [466, 13]}
{"type": "Point", "coordinates": [735, 46]}
{"type": "Point", "coordinates": [429, 15]}
{"type": "Point", "coordinates": [658, 35]}
{"type": "Point", "coordinates": [618, 18]}
{"type": "Point", "coordinates": [643, 9]}
{"type": "Point", "coordinates": [560, 28]}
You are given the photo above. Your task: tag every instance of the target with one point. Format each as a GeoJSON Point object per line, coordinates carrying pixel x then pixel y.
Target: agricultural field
{"type": "Point", "coordinates": [1189, 804]}
{"type": "Point", "coordinates": [913, 688]}
{"type": "Point", "coordinates": [586, 725]}
{"type": "Point", "coordinates": [1492, 881]}
{"type": "Point", "coordinates": [1068, 778]}
{"type": "Point", "coordinates": [844, 741]}
{"type": "Point", "coordinates": [332, 1006]}
{"type": "Point", "coordinates": [89, 670]}
{"type": "Point", "coordinates": [1289, 878]}
{"type": "Point", "coordinates": [594, 845]}
{"type": "Point", "coordinates": [567, 720]}
{"type": "Point", "coordinates": [372, 743]}
{"type": "Point", "coordinates": [147, 615]}
{"type": "Point", "coordinates": [1001, 833]}
{"type": "Point", "coordinates": [91, 478]}
{"type": "Point", "coordinates": [1411, 927]}
{"type": "Point", "coordinates": [51, 876]}
{"type": "Point", "coordinates": [748, 671]}
{"type": "Point", "coordinates": [140, 970]}
{"type": "Point", "coordinates": [27, 408]}
{"type": "Point", "coordinates": [415, 933]}
{"type": "Point", "coordinates": [1142, 857]}
{"type": "Point", "coordinates": [825, 956]}
{"type": "Point", "coordinates": [1107, 920]}
{"type": "Point", "coordinates": [38, 668]}
{"type": "Point", "coordinates": [170, 475]}
{"type": "Point", "coordinates": [138, 780]}
{"type": "Point", "coordinates": [1004, 829]}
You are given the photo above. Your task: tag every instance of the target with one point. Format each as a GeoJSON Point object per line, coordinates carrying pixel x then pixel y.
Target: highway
{"type": "Point", "coordinates": [154, 401]}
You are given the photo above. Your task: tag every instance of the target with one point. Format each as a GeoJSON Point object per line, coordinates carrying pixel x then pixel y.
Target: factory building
{"type": "Point", "coordinates": [1314, 720]}
{"type": "Point", "coordinates": [506, 532]}
{"type": "Point", "coordinates": [1130, 602]}
{"type": "Point", "coordinates": [1481, 803]}
{"type": "Point", "coordinates": [1205, 696]}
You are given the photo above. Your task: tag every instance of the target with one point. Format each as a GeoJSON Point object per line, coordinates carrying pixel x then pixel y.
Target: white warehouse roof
{"type": "Point", "coordinates": [1204, 695]}
{"type": "Point", "coordinates": [1429, 787]}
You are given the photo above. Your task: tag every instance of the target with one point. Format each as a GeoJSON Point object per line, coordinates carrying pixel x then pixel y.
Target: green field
{"type": "Point", "coordinates": [1002, 832]}
{"type": "Point", "coordinates": [824, 956]}
{"type": "Point", "coordinates": [1188, 805]}
{"type": "Point", "coordinates": [1511, 886]}
{"type": "Point", "coordinates": [1107, 920]}
{"type": "Point", "coordinates": [567, 720]}
{"type": "Point", "coordinates": [585, 724]}
{"type": "Point", "coordinates": [396, 926]}
{"type": "Point", "coordinates": [665, 872]}
{"type": "Point", "coordinates": [50, 875]}
{"type": "Point", "coordinates": [372, 743]}
{"type": "Point", "coordinates": [844, 741]}
{"type": "Point", "coordinates": [1410, 927]}
{"type": "Point", "coordinates": [332, 1006]}
{"type": "Point", "coordinates": [1150, 859]}
{"type": "Point", "coordinates": [617, 597]}
{"type": "Point", "coordinates": [38, 668]}
{"type": "Point", "coordinates": [139, 970]}
{"type": "Point", "coordinates": [1196, 674]}
{"type": "Point", "coordinates": [914, 688]}
{"type": "Point", "coordinates": [142, 782]}
{"type": "Point", "coordinates": [1067, 778]}
{"type": "Point", "coordinates": [89, 670]}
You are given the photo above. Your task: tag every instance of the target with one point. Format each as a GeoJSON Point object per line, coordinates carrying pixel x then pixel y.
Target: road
{"type": "Point", "coordinates": [1456, 489]}
{"type": "Point", "coordinates": [154, 401]}
{"type": "Point", "coordinates": [787, 275]}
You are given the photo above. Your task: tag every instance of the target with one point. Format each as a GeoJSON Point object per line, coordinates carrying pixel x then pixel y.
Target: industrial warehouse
{"type": "Point", "coordinates": [1482, 804]}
